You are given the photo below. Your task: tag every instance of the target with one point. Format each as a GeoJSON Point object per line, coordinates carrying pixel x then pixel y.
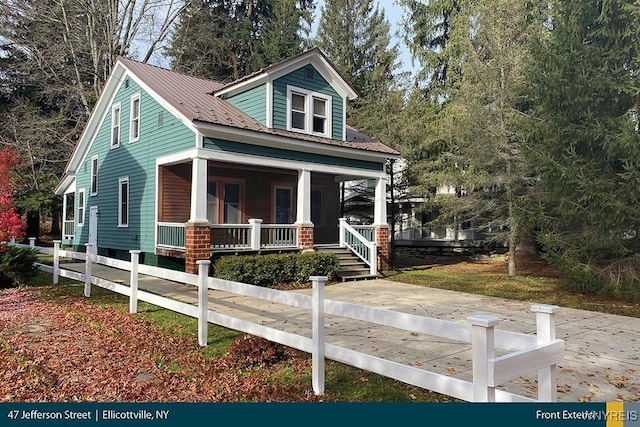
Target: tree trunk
{"type": "Point", "coordinates": [33, 224]}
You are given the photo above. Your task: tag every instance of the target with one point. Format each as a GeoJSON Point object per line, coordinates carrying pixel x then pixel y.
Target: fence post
{"type": "Point", "coordinates": [317, 334]}
{"type": "Point", "coordinates": [482, 342]}
{"type": "Point", "coordinates": [203, 306]}
{"type": "Point", "coordinates": [255, 233]}
{"type": "Point", "coordinates": [87, 269]}
{"type": "Point", "coordinates": [342, 222]}
{"type": "Point", "coordinates": [13, 241]}
{"type": "Point", "coordinates": [32, 242]}
{"type": "Point", "coordinates": [56, 260]}
{"type": "Point", "coordinates": [133, 281]}
{"type": "Point", "coordinates": [546, 332]}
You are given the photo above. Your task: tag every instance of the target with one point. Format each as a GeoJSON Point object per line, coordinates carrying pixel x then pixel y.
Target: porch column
{"type": "Point", "coordinates": [380, 222]}
{"type": "Point", "coordinates": [303, 211]}
{"type": "Point", "coordinates": [198, 229]}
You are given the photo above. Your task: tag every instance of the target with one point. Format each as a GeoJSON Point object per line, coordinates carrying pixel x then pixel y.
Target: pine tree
{"type": "Point", "coordinates": [585, 139]}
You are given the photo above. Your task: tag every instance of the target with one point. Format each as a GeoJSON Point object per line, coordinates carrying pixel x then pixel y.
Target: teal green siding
{"type": "Point", "coordinates": [253, 103]}
{"type": "Point", "coordinates": [317, 84]}
{"type": "Point", "coordinates": [277, 153]}
{"type": "Point", "coordinates": [160, 134]}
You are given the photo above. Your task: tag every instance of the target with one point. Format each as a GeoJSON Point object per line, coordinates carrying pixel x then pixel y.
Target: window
{"type": "Point", "coordinates": [115, 125]}
{"type": "Point", "coordinates": [94, 175]}
{"type": "Point", "coordinates": [282, 204]}
{"type": "Point", "coordinates": [308, 112]}
{"type": "Point", "coordinates": [224, 202]}
{"type": "Point", "coordinates": [81, 207]}
{"type": "Point", "coordinates": [231, 206]}
{"type": "Point", "coordinates": [123, 202]}
{"type": "Point", "coordinates": [135, 118]}
{"type": "Point", "coordinates": [316, 207]}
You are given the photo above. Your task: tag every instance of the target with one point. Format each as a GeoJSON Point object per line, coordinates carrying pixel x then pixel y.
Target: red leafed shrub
{"type": "Point", "coordinates": [251, 351]}
{"type": "Point", "coordinates": [11, 225]}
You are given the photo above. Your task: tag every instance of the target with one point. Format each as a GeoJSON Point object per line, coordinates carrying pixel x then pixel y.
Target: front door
{"type": "Point", "coordinates": [93, 228]}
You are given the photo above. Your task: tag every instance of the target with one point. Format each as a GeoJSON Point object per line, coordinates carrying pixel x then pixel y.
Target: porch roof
{"type": "Point", "coordinates": [193, 98]}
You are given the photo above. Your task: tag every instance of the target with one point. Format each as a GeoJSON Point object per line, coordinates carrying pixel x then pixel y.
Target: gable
{"type": "Point", "coordinates": [308, 79]}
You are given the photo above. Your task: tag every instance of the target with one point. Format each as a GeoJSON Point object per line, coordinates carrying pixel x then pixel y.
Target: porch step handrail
{"type": "Point", "coordinates": [359, 245]}
{"type": "Point", "coordinates": [367, 231]}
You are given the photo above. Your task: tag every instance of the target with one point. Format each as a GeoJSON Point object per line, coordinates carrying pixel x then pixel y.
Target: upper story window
{"type": "Point", "coordinates": [308, 112]}
{"type": "Point", "coordinates": [115, 125]}
{"type": "Point", "coordinates": [94, 175]}
{"type": "Point", "coordinates": [134, 125]}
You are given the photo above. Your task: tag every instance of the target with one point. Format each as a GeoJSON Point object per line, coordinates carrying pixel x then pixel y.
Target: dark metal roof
{"type": "Point", "coordinates": [192, 97]}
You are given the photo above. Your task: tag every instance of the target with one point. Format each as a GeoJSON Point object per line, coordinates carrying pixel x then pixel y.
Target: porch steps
{"type": "Point", "coordinates": [351, 267]}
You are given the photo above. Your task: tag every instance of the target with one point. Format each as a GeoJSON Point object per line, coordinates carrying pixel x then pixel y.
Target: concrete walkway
{"type": "Point", "coordinates": [602, 356]}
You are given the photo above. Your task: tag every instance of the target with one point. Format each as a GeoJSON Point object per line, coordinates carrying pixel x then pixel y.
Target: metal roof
{"type": "Point", "coordinates": [193, 97]}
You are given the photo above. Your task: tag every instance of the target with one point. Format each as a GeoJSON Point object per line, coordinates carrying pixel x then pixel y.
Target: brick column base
{"type": "Point", "coordinates": [197, 243]}
{"type": "Point", "coordinates": [305, 236]}
{"type": "Point", "coordinates": [382, 240]}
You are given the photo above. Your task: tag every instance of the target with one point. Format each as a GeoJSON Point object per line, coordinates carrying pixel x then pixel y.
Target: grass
{"type": "Point", "coordinates": [533, 286]}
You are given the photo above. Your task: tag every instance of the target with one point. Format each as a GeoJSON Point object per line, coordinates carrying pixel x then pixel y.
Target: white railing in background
{"type": "Point", "coordinates": [68, 230]}
{"type": "Point", "coordinates": [366, 250]}
{"type": "Point", "coordinates": [528, 353]}
{"type": "Point", "coordinates": [171, 235]}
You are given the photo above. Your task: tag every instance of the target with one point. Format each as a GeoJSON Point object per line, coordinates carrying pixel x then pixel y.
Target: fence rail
{"type": "Point", "coordinates": [531, 353]}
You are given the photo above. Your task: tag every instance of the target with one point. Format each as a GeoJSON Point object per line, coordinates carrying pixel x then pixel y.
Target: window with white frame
{"type": "Point", "coordinates": [123, 202]}
{"type": "Point", "coordinates": [115, 125]}
{"type": "Point", "coordinates": [94, 175]}
{"type": "Point", "coordinates": [134, 125]}
{"type": "Point", "coordinates": [308, 112]}
{"type": "Point", "coordinates": [81, 208]}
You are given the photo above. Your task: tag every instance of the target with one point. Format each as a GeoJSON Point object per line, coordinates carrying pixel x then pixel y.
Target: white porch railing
{"type": "Point", "coordinates": [251, 236]}
{"type": "Point", "coordinates": [365, 249]}
{"type": "Point", "coordinates": [68, 230]}
{"type": "Point", "coordinates": [524, 354]}
{"type": "Point", "coordinates": [171, 235]}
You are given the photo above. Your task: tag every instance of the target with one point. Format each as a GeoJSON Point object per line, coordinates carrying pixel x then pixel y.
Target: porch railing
{"type": "Point", "coordinates": [171, 235]}
{"type": "Point", "coordinates": [68, 230]}
{"type": "Point", "coordinates": [251, 236]}
{"type": "Point", "coordinates": [367, 231]}
{"type": "Point", "coordinates": [359, 245]}
{"type": "Point", "coordinates": [230, 236]}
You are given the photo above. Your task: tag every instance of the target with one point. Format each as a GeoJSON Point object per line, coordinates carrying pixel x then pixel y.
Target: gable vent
{"type": "Point", "coordinates": [309, 72]}
{"type": "Point", "coordinates": [160, 119]}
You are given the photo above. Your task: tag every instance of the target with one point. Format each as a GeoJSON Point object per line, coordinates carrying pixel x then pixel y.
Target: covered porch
{"type": "Point", "coordinates": [207, 205]}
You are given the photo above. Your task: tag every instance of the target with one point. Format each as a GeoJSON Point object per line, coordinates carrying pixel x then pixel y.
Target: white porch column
{"type": "Point", "coordinates": [380, 206]}
{"type": "Point", "coordinates": [198, 191]}
{"type": "Point", "coordinates": [64, 212]}
{"type": "Point", "coordinates": [303, 212]}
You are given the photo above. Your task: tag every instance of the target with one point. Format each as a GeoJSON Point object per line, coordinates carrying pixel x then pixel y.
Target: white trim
{"type": "Point", "coordinates": [121, 181]}
{"type": "Point", "coordinates": [84, 207]}
{"type": "Point", "coordinates": [309, 112]}
{"type": "Point", "coordinates": [94, 171]}
{"type": "Point", "coordinates": [322, 66]}
{"type": "Point", "coordinates": [344, 118]}
{"type": "Point", "coordinates": [269, 104]}
{"type": "Point", "coordinates": [135, 97]}
{"type": "Point", "coordinates": [114, 107]}
{"type": "Point", "coordinates": [274, 141]}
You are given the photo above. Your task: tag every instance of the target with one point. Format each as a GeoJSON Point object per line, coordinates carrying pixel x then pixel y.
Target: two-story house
{"type": "Point", "coordinates": [179, 167]}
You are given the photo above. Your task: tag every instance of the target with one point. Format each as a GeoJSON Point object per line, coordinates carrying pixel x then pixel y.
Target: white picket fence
{"type": "Point", "coordinates": [527, 353]}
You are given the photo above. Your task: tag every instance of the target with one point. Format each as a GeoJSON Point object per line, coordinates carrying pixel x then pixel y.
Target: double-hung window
{"type": "Point", "coordinates": [224, 202]}
{"type": "Point", "coordinates": [134, 124]}
{"type": "Point", "coordinates": [94, 175]}
{"type": "Point", "coordinates": [308, 112]}
{"type": "Point", "coordinates": [123, 202]}
{"type": "Point", "coordinates": [115, 125]}
{"type": "Point", "coordinates": [81, 207]}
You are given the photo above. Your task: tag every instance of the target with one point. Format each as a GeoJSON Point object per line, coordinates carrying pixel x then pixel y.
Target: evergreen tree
{"type": "Point", "coordinates": [585, 139]}
{"type": "Point", "coordinates": [228, 39]}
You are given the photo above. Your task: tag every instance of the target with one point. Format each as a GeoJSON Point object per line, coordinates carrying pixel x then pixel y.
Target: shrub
{"type": "Point", "coordinates": [271, 270]}
{"type": "Point", "coordinates": [18, 265]}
